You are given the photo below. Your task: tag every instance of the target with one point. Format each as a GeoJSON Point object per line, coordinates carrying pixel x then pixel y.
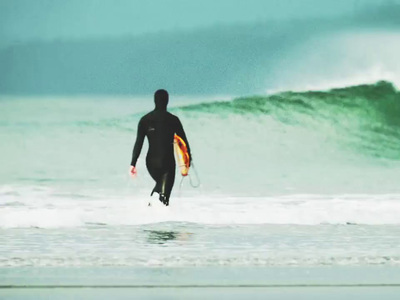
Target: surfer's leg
{"type": "Point", "coordinates": [164, 178]}
{"type": "Point", "coordinates": [156, 174]}
{"type": "Point", "coordinates": [163, 189]}
{"type": "Point", "coordinates": [166, 185]}
{"type": "Point", "coordinates": [163, 184]}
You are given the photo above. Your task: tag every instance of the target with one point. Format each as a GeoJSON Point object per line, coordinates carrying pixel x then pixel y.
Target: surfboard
{"type": "Point", "coordinates": [182, 155]}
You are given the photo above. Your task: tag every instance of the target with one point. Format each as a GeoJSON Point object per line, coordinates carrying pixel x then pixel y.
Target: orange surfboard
{"type": "Point", "coordinates": [182, 155]}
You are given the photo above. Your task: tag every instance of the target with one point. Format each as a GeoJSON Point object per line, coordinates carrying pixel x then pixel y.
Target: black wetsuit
{"type": "Point", "coordinates": [159, 126]}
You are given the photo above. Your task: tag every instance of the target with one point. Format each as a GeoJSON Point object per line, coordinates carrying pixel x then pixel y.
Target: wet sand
{"type": "Point", "coordinates": [330, 282]}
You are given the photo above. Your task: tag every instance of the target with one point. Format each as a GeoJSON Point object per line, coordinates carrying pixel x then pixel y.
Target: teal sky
{"type": "Point", "coordinates": [23, 20]}
{"type": "Point", "coordinates": [103, 47]}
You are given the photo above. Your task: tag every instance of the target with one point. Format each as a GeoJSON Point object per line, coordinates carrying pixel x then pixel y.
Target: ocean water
{"type": "Point", "coordinates": [288, 180]}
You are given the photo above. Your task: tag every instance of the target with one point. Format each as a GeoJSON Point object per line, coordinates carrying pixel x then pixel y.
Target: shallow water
{"type": "Point", "coordinates": [186, 244]}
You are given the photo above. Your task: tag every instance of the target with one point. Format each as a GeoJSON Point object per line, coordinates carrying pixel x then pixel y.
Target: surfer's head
{"type": "Point", "coordinates": [161, 99]}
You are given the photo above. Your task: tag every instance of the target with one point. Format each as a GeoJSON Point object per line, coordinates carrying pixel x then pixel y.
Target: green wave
{"type": "Point", "coordinates": [381, 96]}
{"type": "Point", "coordinates": [366, 117]}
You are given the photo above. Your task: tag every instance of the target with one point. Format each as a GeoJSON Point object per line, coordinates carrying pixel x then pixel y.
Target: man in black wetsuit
{"type": "Point", "coordinates": [160, 127]}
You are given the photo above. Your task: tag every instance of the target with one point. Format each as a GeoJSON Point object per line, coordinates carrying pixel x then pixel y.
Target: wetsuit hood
{"type": "Point", "coordinates": [161, 100]}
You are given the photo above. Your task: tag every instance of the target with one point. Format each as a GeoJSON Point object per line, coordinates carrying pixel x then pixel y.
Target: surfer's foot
{"type": "Point", "coordinates": [164, 199]}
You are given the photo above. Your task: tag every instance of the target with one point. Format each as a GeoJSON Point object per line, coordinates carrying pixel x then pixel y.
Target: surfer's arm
{"type": "Point", "coordinates": [179, 131]}
{"type": "Point", "coordinates": [138, 144]}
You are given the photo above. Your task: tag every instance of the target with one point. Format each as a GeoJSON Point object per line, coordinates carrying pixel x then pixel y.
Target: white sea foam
{"type": "Point", "coordinates": [192, 261]}
{"type": "Point", "coordinates": [48, 211]}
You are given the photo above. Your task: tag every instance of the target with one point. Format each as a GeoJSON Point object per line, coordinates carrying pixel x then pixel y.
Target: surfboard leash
{"type": "Point", "coordinates": [197, 178]}
{"type": "Point", "coordinates": [198, 184]}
